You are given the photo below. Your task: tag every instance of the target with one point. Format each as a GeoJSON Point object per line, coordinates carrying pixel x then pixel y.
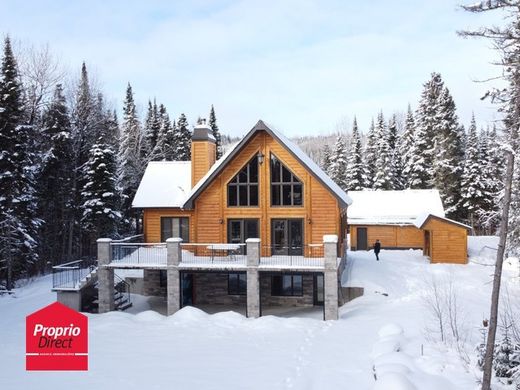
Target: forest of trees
{"type": "Point", "coordinates": [429, 148]}
{"type": "Point", "coordinates": [69, 168]}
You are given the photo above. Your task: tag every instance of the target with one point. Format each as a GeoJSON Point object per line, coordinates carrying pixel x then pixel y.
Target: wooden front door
{"type": "Point", "coordinates": [362, 239]}
{"type": "Point", "coordinates": [287, 237]}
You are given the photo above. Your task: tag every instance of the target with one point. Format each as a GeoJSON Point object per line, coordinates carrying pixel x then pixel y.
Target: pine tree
{"type": "Point", "coordinates": [447, 162]}
{"type": "Point", "coordinates": [152, 127]}
{"type": "Point", "coordinates": [426, 133]}
{"type": "Point", "coordinates": [355, 177]}
{"type": "Point", "coordinates": [183, 140]}
{"type": "Point", "coordinates": [384, 169]}
{"type": "Point", "coordinates": [18, 225]}
{"type": "Point", "coordinates": [99, 195]}
{"type": "Point", "coordinates": [216, 133]}
{"type": "Point", "coordinates": [55, 179]}
{"type": "Point", "coordinates": [165, 146]}
{"type": "Point", "coordinates": [394, 140]}
{"type": "Point", "coordinates": [406, 144]}
{"type": "Point", "coordinates": [495, 178]}
{"type": "Point", "coordinates": [472, 186]}
{"type": "Point", "coordinates": [129, 164]}
{"type": "Point", "coordinates": [325, 159]}
{"type": "Point", "coordinates": [370, 156]}
{"type": "Point", "coordinates": [338, 166]}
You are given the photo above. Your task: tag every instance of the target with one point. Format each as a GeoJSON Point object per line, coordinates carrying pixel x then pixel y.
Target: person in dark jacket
{"type": "Point", "coordinates": [377, 249]}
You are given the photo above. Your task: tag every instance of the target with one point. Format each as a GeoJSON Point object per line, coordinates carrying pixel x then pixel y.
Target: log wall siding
{"type": "Point", "coordinates": [391, 236]}
{"type": "Point", "coordinates": [208, 220]}
{"type": "Point", "coordinates": [448, 242]}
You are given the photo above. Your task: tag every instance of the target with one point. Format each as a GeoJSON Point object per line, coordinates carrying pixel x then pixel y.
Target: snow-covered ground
{"type": "Point", "coordinates": [192, 349]}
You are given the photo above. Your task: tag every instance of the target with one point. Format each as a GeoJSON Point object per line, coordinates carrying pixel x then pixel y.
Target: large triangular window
{"type": "Point", "coordinates": [243, 188]}
{"type": "Point", "coordinates": [286, 188]}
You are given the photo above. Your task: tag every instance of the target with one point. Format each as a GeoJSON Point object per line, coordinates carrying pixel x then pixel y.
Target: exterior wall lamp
{"type": "Point", "coordinates": [260, 157]}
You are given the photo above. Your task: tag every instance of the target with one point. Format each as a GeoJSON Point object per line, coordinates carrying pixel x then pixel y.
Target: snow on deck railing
{"type": "Point", "coordinates": [213, 253]}
{"type": "Point", "coordinates": [133, 239]}
{"type": "Point", "coordinates": [138, 253]}
{"type": "Point", "coordinates": [311, 255]}
{"type": "Point", "coordinates": [68, 275]}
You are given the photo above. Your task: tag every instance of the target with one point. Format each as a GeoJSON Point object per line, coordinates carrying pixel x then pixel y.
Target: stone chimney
{"type": "Point", "coordinates": [203, 151]}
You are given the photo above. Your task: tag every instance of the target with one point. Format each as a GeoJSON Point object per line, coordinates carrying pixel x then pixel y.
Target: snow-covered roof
{"type": "Point", "coordinates": [303, 158]}
{"type": "Point", "coordinates": [392, 207]}
{"type": "Point", "coordinates": [164, 184]}
{"type": "Point", "coordinates": [423, 217]}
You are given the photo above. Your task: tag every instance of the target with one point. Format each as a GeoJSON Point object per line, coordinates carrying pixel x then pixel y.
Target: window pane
{"type": "Point", "coordinates": [275, 169]}
{"type": "Point", "coordinates": [286, 195]}
{"type": "Point", "coordinates": [286, 176]}
{"type": "Point", "coordinates": [242, 284]}
{"type": "Point", "coordinates": [253, 171]}
{"type": "Point", "coordinates": [253, 195]}
{"type": "Point", "coordinates": [232, 195]}
{"type": "Point", "coordinates": [185, 229]}
{"type": "Point", "coordinates": [276, 285]}
{"type": "Point", "coordinates": [176, 228]}
{"type": "Point", "coordinates": [297, 195]}
{"type": "Point", "coordinates": [275, 195]}
{"type": "Point", "coordinates": [287, 285]}
{"type": "Point", "coordinates": [166, 228]}
{"type": "Point", "coordinates": [242, 175]}
{"type": "Point", "coordinates": [242, 195]}
{"type": "Point", "coordinates": [297, 285]}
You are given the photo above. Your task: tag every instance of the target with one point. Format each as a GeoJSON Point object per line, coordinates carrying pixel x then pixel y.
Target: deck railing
{"type": "Point", "coordinates": [199, 253]}
{"type": "Point", "coordinates": [138, 253]}
{"type": "Point", "coordinates": [310, 255]}
{"type": "Point", "coordinates": [69, 275]}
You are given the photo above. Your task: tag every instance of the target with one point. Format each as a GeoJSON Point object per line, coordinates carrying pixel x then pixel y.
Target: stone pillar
{"type": "Point", "coordinates": [330, 277]}
{"type": "Point", "coordinates": [105, 276]}
{"type": "Point", "coordinates": [173, 259]}
{"type": "Point", "coordinates": [253, 279]}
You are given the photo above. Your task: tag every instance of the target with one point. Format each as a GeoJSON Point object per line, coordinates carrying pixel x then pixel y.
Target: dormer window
{"type": "Point", "coordinates": [286, 188]}
{"type": "Point", "coordinates": [243, 188]}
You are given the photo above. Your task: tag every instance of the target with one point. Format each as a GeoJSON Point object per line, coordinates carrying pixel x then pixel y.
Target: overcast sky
{"type": "Point", "coordinates": [306, 67]}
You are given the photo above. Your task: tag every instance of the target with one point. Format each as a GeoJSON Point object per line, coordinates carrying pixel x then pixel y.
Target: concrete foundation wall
{"type": "Point", "coordinates": [307, 299]}
{"type": "Point", "coordinates": [212, 288]}
{"type": "Point", "coordinates": [71, 299]}
{"type": "Point", "coordinates": [136, 284]}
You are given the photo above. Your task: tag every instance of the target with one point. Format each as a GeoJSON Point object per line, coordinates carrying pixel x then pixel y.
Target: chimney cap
{"type": "Point", "coordinates": [202, 132]}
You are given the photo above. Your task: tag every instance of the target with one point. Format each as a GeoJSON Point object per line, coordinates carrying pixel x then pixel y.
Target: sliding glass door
{"type": "Point", "coordinates": [287, 237]}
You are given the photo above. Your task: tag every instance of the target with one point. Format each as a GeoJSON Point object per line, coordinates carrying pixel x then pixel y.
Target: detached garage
{"type": "Point", "coordinates": [389, 216]}
{"type": "Point", "coordinates": [445, 240]}
{"type": "Point", "coordinates": [406, 219]}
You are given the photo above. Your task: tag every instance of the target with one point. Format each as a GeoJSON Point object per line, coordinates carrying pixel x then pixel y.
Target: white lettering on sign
{"type": "Point", "coordinates": [56, 331]}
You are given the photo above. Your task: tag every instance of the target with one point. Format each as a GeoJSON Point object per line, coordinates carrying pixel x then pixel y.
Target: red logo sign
{"type": "Point", "coordinates": [56, 339]}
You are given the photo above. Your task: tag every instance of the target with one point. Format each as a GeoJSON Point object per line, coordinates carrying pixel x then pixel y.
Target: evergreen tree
{"type": "Point", "coordinates": [216, 133]}
{"type": "Point", "coordinates": [18, 225]}
{"type": "Point", "coordinates": [355, 177]}
{"type": "Point", "coordinates": [55, 179]}
{"type": "Point", "coordinates": [473, 188]}
{"type": "Point", "coordinates": [447, 162]}
{"type": "Point", "coordinates": [338, 166]}
{"type": "Point", "coordinates": [395, 152]}
{"type": "Point", "coordinates": [165, 147]}
{"type": "Point", "coordinates": [406, 144]}
{"type": "Point", "coordinates": [426, 133]}
{"type": "Point", "coordinates": [152, 127]}
{"type": "Point", "coordinates": [99, 195]}
{"type": "Point", "coordinates": [384, 169]}
{"type": "Point", "coordinates": [129, 164]}
{"type": "Point", "coordinates": [370, 156]}
{"type": "Point", "coordinates": [326, 159]}
{"type": "Point", "coordinates": [183, 140]}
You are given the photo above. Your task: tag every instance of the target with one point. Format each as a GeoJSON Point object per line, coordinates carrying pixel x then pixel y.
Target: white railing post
{"type": "Point", "coordinates": [253, 280]}
{"type": "Point", "coordinates": [330, 277]}
{"type": "Point", "coordinates": [173, 259]}
{"type": "Point", "coordinates": [105, 276]}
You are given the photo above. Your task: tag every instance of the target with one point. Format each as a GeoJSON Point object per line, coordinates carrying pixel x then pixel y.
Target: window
{"type": "Point", "coordinates": [162, 278]}
{"type": "Point", "coordinates": [287, 285]}
{"type": "Point", "coordinates": [243, 188]}
{"type": "Point", "coordinates": [175, 227]}
{"type": "Point", "coordinates": [237, 284]}
{"type": "Point", "coordinates": [286, 188]}
{"type": "Point", "coordinates": [239, 230]}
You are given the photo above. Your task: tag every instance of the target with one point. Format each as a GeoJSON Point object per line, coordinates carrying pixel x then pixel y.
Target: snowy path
{"type": "Point", "coordinates": [195, 350]}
